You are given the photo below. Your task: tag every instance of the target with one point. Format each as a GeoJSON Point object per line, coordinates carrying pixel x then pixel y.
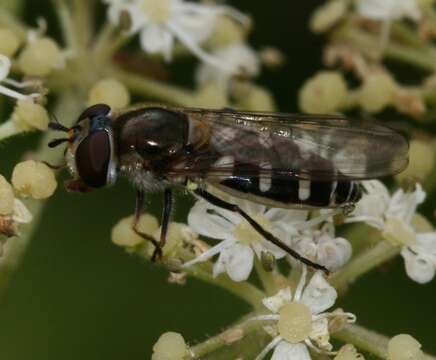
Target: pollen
{"type": "Point", "coordinates": [40, 57]}
{"type": "Point", "coordinates": [157, 10]}
{"type": "Point", "coordinates": [35, 179]}
{"type": "Point", "coordinates": [110, 92]}
{"type": "Point", "coordinates": [28, 115]}
{"type": "Point", "coordinates": [170, 346]}
{"type": "Point", "coordinates": [404, 347]}
{"type": "Point", "coordinates": [6, 197]}
{"type": "Point", "coordinates": [9, 42]}
{"type": "Point", "coordinates": [295, 323]}
{"type": "Point", "coordinates": [246, 234]}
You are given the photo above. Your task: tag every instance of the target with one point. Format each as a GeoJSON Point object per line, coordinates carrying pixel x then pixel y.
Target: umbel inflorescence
{"type": "Point", "coordinates": [294, 313]}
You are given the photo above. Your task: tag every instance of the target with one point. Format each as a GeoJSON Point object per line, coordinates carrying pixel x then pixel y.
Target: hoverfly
{"type": "Point", "coordinates": [276, 159]}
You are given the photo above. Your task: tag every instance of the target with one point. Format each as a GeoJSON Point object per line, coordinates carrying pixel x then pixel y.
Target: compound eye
{"type": "Point", "coordinates": [95, 110]}
{"type": "Point", "coordinates": [92, 159]}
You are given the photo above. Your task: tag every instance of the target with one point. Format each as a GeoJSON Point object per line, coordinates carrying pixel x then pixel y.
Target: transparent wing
{"type": "Point", "coordinates": [304, 146]}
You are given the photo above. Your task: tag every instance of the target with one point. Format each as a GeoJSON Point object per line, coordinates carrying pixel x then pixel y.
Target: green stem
{"type": "Point", "coordinates": [69, 106]}
{"type": "Point", "coordinates": [66, 22]}
{"type": "Point", "coordinates": [109, 40]}
{"type": "Point", "coordinates": [243, 290]}
{"type": "Point", "coordinates": [221, 340]}
{"type": "Point", "coordinates": [266, 277]}
{"type": "Point", "coordinates": [83, 21]}
{"type": "Point", "coordinates": [369, 45]}
{"type": "Point", "coordinates": [367, 340]}
{"type": "Point", "coordinates": [155, 89]}
{"type": "Point", "coordinates": [363, 263]}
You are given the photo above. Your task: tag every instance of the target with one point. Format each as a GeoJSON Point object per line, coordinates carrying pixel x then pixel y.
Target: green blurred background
{"type": "Point", "coordinates": [77, 296]}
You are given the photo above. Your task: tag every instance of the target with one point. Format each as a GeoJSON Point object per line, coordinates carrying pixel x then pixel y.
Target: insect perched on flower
{"type": "Point", "coordinates": [279, 160]}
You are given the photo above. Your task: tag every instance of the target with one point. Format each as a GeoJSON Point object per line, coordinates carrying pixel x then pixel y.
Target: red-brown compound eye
{"type": "Point", "coordinates": [92, 159]}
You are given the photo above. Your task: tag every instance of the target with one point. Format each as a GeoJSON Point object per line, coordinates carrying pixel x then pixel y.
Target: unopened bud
{"type": "Point", "coordinates": [170, 346]}
{"type": "Point", "coordinates": [28, 116]}
{"type": "Point", "coordinates": [110, 92]}
{"type": "Point", "coordinates": [324, 93]}
{"type": "Point", "coordinates": [404, 347]}
{"type": "Point", "coordinates": [124, 235]}
{"type": "Point", "coordinates": [9, 42]}
{"type": "Point", "coordinates": [327, 15]}
{"type": "Point", "coordinates": [35, 179]}
{"type": "Point", "coordinates": [421, 163]}
{"type": "Point", "coordinates": [40, 57]}
{"type": "Point", "coordinates": [268, 261]}
{"type": "Point", "coordinates": [6, 197]}
{"type": "Point", "coordinates": [377, 92]}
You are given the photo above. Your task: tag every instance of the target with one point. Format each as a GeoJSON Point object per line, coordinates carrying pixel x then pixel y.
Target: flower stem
{"type": "Point", "coordinates": [221, 340]}
{"type": "Point", "coordinates": [69, 106]}
{"type": "Point", "coordinates": [66, 21]}
{"type": "Point", "coordinates": [155, 89]}
{"type": "Point", "coordinates": [367, 340]}
{"type": "Point", "coordinates": [363, 263]}
{"type": "Point", "coordinates": [243, 290]}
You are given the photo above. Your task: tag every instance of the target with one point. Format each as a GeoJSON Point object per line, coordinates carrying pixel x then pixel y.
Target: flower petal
{"type": "Point", "coordinates": [418, 268]}
{"type": "Point", "coordinates": [426, 242]}
{"type": "Point", "coordinates": [156, 39]}
{"type": "Point", "coordinates": [287, 351]}
{"type": "Point", "coordinates": [5, 66]}
{"type": "Point", "coordinates": [237, 260]}
{"type": "Point", "coordinates": [274, 303]}
{"type": "Point", "coordinates": [319, 295]}
{"type": "Point", "coordinates": [205, 223]}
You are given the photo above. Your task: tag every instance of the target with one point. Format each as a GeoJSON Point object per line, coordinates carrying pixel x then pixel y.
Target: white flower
{"type": "Point", "coordinates": [239, 55]}
{"type": "Point", "coordinates": [420, 258]}
{"type": "Point", "coordinates": [300, 319]}
{"type": "Point", "coordinates": [322, 247]}
{"type": "Point", "coordinates": [389, 9]}
{"type": "Point", "coordinates": [378, 209]}
{"type": "Point", "coordinates": [240, 242]}
{"type": "Point", "coordinates": [161, 22]}
{"type": "Point", "coordinates": [5, 67]}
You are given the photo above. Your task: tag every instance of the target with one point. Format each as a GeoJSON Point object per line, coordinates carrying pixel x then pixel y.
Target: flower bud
{"type": "Point", "coordinates": [110, 92]}
{"type": "Point", "coordinates": [124, 235]}
{"type": "Point", "coordinates": [6, 197]}
{"type": "Point", "coordinates": [170, 346]}
{"type": "Point", "coordinates": [254, 98]}
{"type": "Point", "coordinates": [348, 352]}
{"type": "Point", "coordinates": [35, 179]}
{"type": "Point", "coordinates": [178, 234]}
{"type": "Point", "coordinates": [227, 31]}
{"type": "Point", "coordinates": [28, 116]}
{"type": "Point", "coordinates": [324, 93]}
{"type": "Point", "coordinates": [377, 92]}
{"type": "Point", "coordinates": [327, 15]}
{"type": "Point", "coordinates": [404, 347]}
{"type": "Point", "coordinates": [40, 57]}
{"type": "Point", "coordinates": [9, 42]}
{"type": "Point", "coordinates": [421, 161]}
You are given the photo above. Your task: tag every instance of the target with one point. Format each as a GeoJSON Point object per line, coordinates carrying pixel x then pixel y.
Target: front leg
{"type": "Point", "coordinates": [256, 226]}
{"type": "Point", "coordinates": [166, 217]}
{"type": "Point", "coordinates": [139, 207]}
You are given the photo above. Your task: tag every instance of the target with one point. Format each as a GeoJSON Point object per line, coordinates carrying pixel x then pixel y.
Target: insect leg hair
{"type": "Point", "coordinates": [139, 207]}
{"type": "Point", "coordinates": [256, 226]}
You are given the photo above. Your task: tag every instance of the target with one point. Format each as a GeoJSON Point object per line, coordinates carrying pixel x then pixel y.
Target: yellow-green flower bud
{"type": "Point", "coordinates": [170, 346]}
{"type": "Point", "coordinates": [377, 92]}
{"type": "Point", "coordinates": [212, 94]}
{"type": "Point", "coordinates": [9, 42]}
{"type": "Point", "coordinates": [110, 92]}
{"type": "Point", "coordinates": [327, 15]}
{"type": "Point", "coordinates": [123, 234]}
{"type": "Point", "coordinates": [40, 57]}
{"type": "Point", "coordinates": [404, 347]}
{"type": "Point", "coordinates": [6, 197]}
{"type": "Point", "coordinates": [33, 178]}
{"type": "Point", "coordinates": [254, 98]}
{"type": "Point", "coordinates": [348, 352]}
{"type": "Point", "coordinates": [28, 116]}
{"type": "Point", "coordinates": [227, 31]}
{"type": "Point", "coordinates": [421, 162]}
{"type": "Point", "coordinates": [324, 93]}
